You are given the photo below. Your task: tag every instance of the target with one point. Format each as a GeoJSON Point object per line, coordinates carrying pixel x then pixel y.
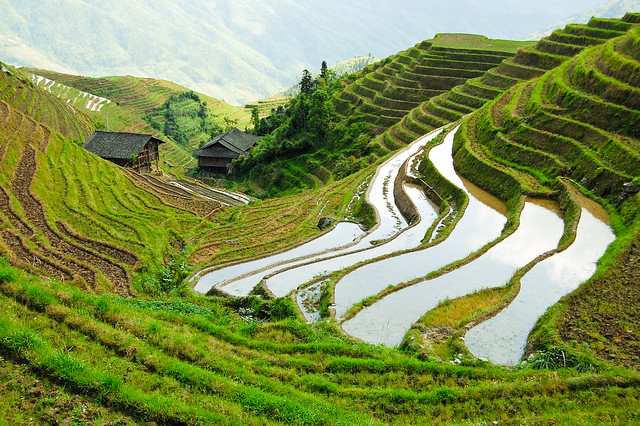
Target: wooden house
{"type": "Point", "coordinates": [132, 150]}
{"type": "Point", "coordinates": [215, 157]}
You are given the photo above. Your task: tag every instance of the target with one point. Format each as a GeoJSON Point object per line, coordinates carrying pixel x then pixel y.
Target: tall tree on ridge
{"type": "Point", "coordinates": [306, 83]}
{"type": "Point", "coordinates": [324, 70]}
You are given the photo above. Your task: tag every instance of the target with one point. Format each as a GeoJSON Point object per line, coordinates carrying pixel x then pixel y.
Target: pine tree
{"type": "Point", "coordinates": [306, 83]}
{"type": "Point", "coordinates": [324, 70]}
{"type": "Point", "coordinates": [255, 119]}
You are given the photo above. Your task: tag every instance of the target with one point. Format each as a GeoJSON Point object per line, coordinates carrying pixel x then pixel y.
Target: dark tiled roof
{"type": "Point", "coordinates": [231, 144]}
{"type": "Point", "coordinates": [117, 145]}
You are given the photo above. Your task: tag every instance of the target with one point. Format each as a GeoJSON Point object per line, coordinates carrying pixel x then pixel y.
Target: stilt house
{"type": "Point", "coordinates": [132, 150]}
{"type": "Point", "coordinates": [215, 157]}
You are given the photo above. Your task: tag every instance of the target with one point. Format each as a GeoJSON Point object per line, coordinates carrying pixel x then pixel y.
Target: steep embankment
{"type": "Point", "coordinates": [18, 92]}
{"type": "Point", "coordinates": [529, 62]}
{"type": "Point", "coordinates": [387, 90]}
{"type": "Point", "coordinates": [580, 121]}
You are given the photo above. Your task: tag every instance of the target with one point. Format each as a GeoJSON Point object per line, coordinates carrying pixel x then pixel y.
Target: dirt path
{"type": "Point", "coordinates": [215, 194]}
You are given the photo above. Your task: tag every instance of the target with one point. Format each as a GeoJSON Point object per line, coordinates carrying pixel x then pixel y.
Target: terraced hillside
{"type": "Point", "coordinates": [18, 93]}
{"type": "Point", "coordinates": [71, 350]}
{"type": "Point", "coordinates": [58, 198]}
{"type": "Point", "coordinates": [579, 121]}
{"type": "Point", "coordinates": [69, 215]}
{"type": "Point", "coordinates": [529, 62]}
{"type": "Point", "coordinates": [387, 90]}
{"type": "Point", "coordinates": [328, 130]}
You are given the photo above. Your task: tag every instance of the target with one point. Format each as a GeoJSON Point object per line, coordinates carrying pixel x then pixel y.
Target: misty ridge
{"type": "Point", "coordinates": [244, 50]}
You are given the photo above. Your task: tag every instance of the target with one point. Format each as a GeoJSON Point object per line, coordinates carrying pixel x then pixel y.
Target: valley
{"type": "Point", "coordinates": [447, 236]}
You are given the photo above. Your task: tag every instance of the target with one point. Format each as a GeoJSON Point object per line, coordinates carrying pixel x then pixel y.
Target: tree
{"type": "Point", "coordinates": [320, 114]}
{"type": "Point", "coordinates": [255, 119]}
{"type": "Point", "coordinates": [306, 83]}
{"type": "Point", "coordinates": [323, 70]}
{"type": "Point", "coordinates": [299, 115]}
{"type": "Point", "coordinates": [229, 123]}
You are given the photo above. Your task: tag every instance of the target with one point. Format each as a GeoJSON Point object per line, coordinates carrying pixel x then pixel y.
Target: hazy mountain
{"type": "Point", "coordinates": [611, 9]}
{"type": "Point", "coordinates": [245, 49]}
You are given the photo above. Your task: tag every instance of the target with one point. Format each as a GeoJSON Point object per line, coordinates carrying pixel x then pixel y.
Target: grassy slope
{"type": "Point", "coordinates": [192, 360]}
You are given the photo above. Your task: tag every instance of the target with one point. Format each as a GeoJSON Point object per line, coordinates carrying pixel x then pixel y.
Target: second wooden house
{"type": "Point", "coordinates": [216, 156]}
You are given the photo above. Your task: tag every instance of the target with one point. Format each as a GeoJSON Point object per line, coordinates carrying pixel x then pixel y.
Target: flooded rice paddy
{"type": "Point", "coordinates": [388, 320]}
{"type": "Point", "coordinates": [481, 223]}
{"type": "Point", "coordinates": [343, 234]}
{"type": "Point", "coordinates": [239, 280]}
{"type": "Point", "coordinates": [500, 339]}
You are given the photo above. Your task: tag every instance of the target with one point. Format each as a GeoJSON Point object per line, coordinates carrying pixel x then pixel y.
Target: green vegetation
{"type": "Point", "coordinates": [194, 360]}
{"type": "Point", "coordinates": [329, 130]}
{"type": "Point", "coordinates": [158, 107]}
{"type": "Point", "coordinates": [185, 117]}
{"type": "Point", "coordinates": [99, 323]}
{"type": "Point", "coordinates": [302, 146]}
{"type": "Point", "coordinates": [70, 215]}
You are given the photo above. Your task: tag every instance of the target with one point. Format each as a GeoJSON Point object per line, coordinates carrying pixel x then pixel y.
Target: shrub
{"type": "Point", "coordinates": [281, 308]}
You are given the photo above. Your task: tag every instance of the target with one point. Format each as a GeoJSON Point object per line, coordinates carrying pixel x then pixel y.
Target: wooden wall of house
{"type": "Point", "coordinates": [149, 153]}
{"type": "Point", "coordinates": [215, 165]}
{"type": "Point", "coordinates": [119, 162]}
{"type": "Point", "coordinates": [214, 162]}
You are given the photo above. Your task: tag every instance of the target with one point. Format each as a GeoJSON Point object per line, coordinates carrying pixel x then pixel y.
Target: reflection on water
{"type": "Point", "coordinates": [239, 279]}
{"type": "Point", "coordinates": [482, 222]}
{"type": "Point", "coordinates": [502, 338]}
{"type": "Point", "coordinates": [283, 282]}
{"type": "Point", "coordinates": [308, 300]}
{"type": "Point", "coordinates": [343, 233]}
{"type": "Point", "coordinates": [388, 320]}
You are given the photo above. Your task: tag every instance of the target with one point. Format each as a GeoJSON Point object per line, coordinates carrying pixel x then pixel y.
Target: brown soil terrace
{"type": "Point", "coordinates": [175, 197]}
{"type": "Point", "coordinates": [74, 251]}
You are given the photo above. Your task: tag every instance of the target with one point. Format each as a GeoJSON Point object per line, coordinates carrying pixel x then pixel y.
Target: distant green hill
{"type": "Point", "coordinates": [138, 104]}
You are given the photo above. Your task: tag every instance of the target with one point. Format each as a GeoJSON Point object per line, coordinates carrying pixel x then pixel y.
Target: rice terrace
{"type": "Point", "coordinates": [448, 235]}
